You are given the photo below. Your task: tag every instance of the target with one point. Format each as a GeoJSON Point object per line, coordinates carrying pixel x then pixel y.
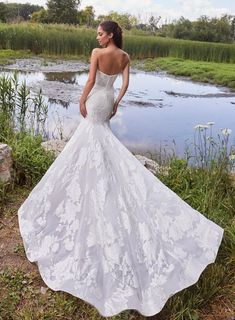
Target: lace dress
{"type": "Point", "coordinates": [103, 228]}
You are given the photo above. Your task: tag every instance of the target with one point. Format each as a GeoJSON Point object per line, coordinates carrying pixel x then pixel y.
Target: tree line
{"type": "Point", "coordinates": [67, 12]}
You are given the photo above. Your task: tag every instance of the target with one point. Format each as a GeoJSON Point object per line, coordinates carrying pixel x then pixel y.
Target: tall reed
{"type": "Point", "coordinates": [21, 111]}
{"type": "Point", "coordinates": [71, 40]}
{"type": "Point", "coordinates": [22, 127]}
{"type": "Point", "coordinates": [208, 186]}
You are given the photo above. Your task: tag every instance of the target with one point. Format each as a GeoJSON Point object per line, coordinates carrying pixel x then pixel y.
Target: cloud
{"type": "Point", "coordinates": [198, 8]}
{"type": "Point", "coordinates": [171, 9]}
{"type": "Point", "coordinates": [189, 9]}
{"type": "Point", "coordinates": [132, 7]}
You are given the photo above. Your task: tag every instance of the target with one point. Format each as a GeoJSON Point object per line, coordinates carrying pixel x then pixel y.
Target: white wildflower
{"type": "Point", "coordinates": [231, 157]}
{"type": "Point", "coordinates": [210, 123]}
{"type": "Point", "coordinates": [201, 126]}
{"type": "Point", "coordinates": [226, 131]}
{"type": "Point", "coordinates": [198, 126]}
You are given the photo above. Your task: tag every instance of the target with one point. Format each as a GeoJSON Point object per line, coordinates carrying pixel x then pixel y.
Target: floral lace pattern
{"type": "Point", "coordinates": [102, 227]}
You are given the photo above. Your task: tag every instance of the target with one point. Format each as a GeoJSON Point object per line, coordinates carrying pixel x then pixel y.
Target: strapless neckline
{"type": "Point", "coordinates": [109, 75]}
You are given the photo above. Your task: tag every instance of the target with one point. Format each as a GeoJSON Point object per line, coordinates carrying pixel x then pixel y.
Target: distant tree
{"type": "Point", "coordinates": [203, 30]}
{"type": "Point", "coordinates": [125, 20]}
{"type": "Point", "coordinates": [222, 29]}
{"type": "Point", "coordinates": [26, 10]}
{"type": "Point", "coordinates": [142, 26]}
{"type": "Point", "coordinates": [86, 16]}
{"type": "Point", "coordinates": [63, 11]}
{"type": "Point", "coordinates": [183, 29]}
{"type": "Point", "coordinates": [19, 11]}
{"type": "Point", "coordinates": [3, 11]}
{"type": "Point", "coordinates": [40, 16]}
{"type": "Point", "coordinates": [12, 11]}
{"type": "Point", "coordinates": [232, 33]}
{"type": "Point", "coordinates": [153, 22]}
{"type": "Point", "coordinates": [167, 30]}
{"type": "Point", "coordinates": [213, 29]}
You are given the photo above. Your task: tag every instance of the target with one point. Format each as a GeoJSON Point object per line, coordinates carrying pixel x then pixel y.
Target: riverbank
{"type": "Point", "coordinates": [9, 56]}
{"type": "Point", "coordinates": [210, 191]}
{"type": "Point", "coordinates": [202, 71]}
{"type": "Point", "coordinates": [207, 72]}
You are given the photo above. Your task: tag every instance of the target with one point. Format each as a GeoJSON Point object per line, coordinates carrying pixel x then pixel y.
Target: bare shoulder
{"type": "Point", "coordinates": [125, 58]}
{"type": "Point", "coordinates": [124, 54]}
{"type": "Point", "coordinates": [95, 51]}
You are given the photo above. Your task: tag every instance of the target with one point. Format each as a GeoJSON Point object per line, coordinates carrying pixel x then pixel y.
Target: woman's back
{"type": "Point", "coordinates": [111, 61]}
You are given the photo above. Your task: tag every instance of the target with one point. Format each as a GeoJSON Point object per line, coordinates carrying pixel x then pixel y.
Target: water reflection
{"type": "Point", "coordinates": [64, 104]}
{"type": "Point", "coordinates": [148, 116]}
{"type": "Point", "coordinates": [64, 77]}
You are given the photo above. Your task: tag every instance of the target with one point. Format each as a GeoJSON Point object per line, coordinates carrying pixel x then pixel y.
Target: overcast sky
{"type": "Point", "coordinates": [169, 10]}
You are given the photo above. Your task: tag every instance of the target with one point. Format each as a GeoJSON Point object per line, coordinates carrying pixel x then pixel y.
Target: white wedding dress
{"type": "Point", "coordinates": [103, 228]}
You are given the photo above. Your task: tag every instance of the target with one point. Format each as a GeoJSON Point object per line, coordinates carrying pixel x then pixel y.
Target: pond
{"type": "Point", "coordinates": [157, 111]}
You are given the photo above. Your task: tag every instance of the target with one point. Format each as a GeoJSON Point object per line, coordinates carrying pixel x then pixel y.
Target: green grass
{"type": "Point", "coordinates": [8, 56]}
{"type": "Point", "coordinates": [210, 190]}
{"type": "Point", "coordinates": [211, 72]}
{"type": "Point", "coordinates": [71, 40]}
{"type": "Point", "coordinates": [30, 159]}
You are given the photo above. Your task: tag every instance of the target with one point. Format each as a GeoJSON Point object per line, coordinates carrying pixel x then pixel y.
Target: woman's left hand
{"type": "Point", "coordinates": [115, 106]}
{"type": "Point", "coordinates": [83, 109]}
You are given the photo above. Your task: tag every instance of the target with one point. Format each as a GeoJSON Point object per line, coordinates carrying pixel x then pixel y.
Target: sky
{"type": "Point", "coordinates": [168, 10]}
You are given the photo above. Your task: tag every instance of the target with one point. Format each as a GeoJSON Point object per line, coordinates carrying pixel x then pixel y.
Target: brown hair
{"type": "Point", "coordinates": [112, 26]}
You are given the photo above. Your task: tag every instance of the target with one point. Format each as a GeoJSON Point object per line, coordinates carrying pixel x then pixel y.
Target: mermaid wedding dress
{"type": "Point", "coordinates": [103, 228]}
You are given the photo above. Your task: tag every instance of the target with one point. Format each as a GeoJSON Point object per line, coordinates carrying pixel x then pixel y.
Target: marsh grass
{"type": "Point", "coordinates": [207, 186]}
{"type": "Point", "coordinates": [209, 191]}
{"type": "Point", "coordinates": [59, 39]}
{"type": "Point", "coordinates": [8, 56]}
{"type": "Point", "coordinates": [212, 193]}
{"type": "Point", "coordinates": [50, 39]}
{"type": "Point", "coordinates": [204, 181]}
{"type": "Point", "coordinates": [21, 111]}
{"type": "Point", "coordinates": [211, 72]}
{"type": "Point", "coordinates": [22, 127]}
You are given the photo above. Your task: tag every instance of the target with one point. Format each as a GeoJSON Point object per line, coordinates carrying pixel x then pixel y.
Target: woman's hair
{"type": "Point", "coordinates": [112, 26]}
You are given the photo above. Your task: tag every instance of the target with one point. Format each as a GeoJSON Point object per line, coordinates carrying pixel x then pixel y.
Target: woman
{"type": "Point", "coordinates": [111, 59]}
{"type": "Point", "coordinates": [99, 224]}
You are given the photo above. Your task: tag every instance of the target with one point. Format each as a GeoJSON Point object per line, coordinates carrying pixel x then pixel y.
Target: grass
{"type": "Point", "coordinates": [201, 61]}
{"type": "Point", "coordinates": [63, 40]}
{"type": "Point", "coordinates": [8, 56]}
{"type": "Point", "coordinates": [209, 189]}
{"type": "Point", "coordinates": [23, 293]}
{"type": "Point", "coordinates": [30, 160]}
{"type": "Point", "coordinates": [210, 72]}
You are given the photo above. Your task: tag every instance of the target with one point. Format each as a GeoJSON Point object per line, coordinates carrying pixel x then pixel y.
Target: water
{"type": "Point", "coordinates": [148, 115]}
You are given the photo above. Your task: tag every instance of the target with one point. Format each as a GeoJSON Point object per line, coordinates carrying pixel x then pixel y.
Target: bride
{"type": "Point", "coordinates": [111, 59]}
{"type": "Point", "coordinates": [99, 224]}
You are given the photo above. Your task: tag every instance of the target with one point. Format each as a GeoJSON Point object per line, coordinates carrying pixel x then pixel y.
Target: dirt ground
{"type": "Point", "coordinates": [12, 255]}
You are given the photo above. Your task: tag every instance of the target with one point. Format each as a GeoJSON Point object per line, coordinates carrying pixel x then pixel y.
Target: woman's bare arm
{"type": "Point", "coordinates": [125, 82]}
{"type": "Point", "coordinates": [91, 78]}
{"type": "Point", "coordinates": [90, 81]}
